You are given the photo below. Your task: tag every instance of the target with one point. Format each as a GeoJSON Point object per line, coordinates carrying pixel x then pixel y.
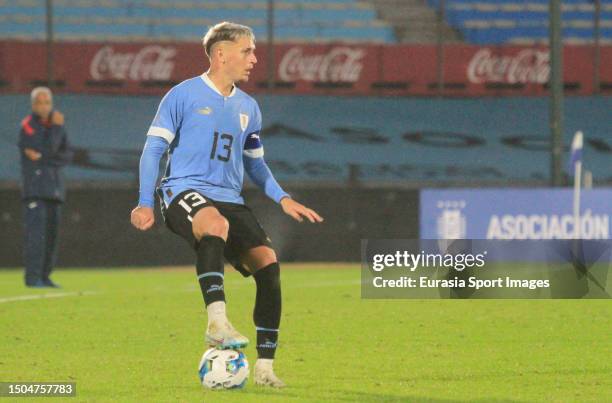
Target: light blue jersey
{"type": "Point", "coordinates": [208, 136]}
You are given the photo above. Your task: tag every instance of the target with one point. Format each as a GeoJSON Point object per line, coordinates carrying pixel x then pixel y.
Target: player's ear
{"type": "Point", "coordinates": [215, 52]}
{"type": "Point", "coordinates": [220, 52]}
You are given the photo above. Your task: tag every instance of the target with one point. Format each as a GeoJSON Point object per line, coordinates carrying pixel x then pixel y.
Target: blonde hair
{"type": "Point", "coordinates": [40, 90]}
{"type": "Point", "coordinates": [225, 31]}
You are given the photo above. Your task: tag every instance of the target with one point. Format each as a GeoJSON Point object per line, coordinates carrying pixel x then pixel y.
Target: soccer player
{"type": "Point", "coordinates": [211, 131]}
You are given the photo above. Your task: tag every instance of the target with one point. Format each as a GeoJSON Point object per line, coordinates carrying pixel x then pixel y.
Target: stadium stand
{"type": "Point", "coordinates": [414, 21]}
{"type": "Point", "coordinates": [117, 20]}
{"type": "Point", "coordinates": [524, 22]}
{"type": "Point", "coordinates": [377, 21]}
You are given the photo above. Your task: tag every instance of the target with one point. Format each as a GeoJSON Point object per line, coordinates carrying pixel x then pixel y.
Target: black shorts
{"type": "Point", "coordinates": [245, 232]}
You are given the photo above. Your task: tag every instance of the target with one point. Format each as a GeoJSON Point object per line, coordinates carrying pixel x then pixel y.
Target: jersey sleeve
{"type": "Point", "coordinates": [253, 147]}
{"type": "Point", "coordinates": [168, 117]}
{"type": "Point", "coordinates": [154, 149]}
{"type": "Point", "coordinates": [254, 163]}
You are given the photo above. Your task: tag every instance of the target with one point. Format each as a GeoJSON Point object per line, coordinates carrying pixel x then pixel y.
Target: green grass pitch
{"type": "Point", "coordinates": [137, 335]}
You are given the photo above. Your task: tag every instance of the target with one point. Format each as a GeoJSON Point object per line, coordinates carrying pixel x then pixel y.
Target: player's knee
{"type": "Point", "coordinates": [267, 258]}
{"type": "Point", "coordinates": [211, 224]}
{"type": "Point", "coordinates": [217, 226]}
{"type": "Point", "coordinates": [259, 258]}
{"type": "Point", "coordinates": [221, 227]}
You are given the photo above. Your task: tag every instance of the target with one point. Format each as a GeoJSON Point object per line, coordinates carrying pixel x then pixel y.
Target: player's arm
{"type": "Point", "coordinates": [143, 216]}
{"type": "Point", "coordinates": [259, 172]}
{"type": "Point", "coordinates": [160, 135]}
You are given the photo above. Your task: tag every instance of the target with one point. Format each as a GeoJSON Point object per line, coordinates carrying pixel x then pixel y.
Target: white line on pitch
{"type": "Point", "coordinates": [45, 296]}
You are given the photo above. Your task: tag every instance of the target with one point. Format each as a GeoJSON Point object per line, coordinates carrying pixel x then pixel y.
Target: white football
{"type": "Point", "coordinates": [223, 369]}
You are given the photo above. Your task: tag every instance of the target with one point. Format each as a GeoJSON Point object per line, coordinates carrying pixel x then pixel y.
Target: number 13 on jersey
{"type": "Point", "coordinates": [227, 140]}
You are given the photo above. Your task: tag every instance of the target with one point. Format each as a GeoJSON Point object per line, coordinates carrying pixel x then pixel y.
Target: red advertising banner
{"type": "Point", "coordinates": [333, 69]}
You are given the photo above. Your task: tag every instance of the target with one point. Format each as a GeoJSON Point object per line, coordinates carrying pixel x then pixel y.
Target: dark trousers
{"type": "Point", "coordinates": [41, 218]}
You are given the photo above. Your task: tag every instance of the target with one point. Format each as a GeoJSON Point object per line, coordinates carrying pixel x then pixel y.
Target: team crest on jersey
{"type": "Point", "coordinates": [244, 121]}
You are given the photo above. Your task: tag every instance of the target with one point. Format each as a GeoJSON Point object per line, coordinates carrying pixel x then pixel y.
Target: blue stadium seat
{"type": "Point", "coordinates": [97, 11]}
{"type": "Point", "coordinates": [34, 28]}
{"type": "Point", "coordinates": [320, 20]}
{"type": "Point", "coordinates": [501, 21]}
{"type": "Point", "coordinates": [17, 9]}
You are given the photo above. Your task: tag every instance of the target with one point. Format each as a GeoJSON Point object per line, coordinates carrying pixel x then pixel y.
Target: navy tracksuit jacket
{"type": "Point", "coordinates": [43, 193]}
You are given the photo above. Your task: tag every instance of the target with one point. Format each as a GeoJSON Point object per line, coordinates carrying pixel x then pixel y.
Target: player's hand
{"type": "Point", "coordinates": [142, 217]}
{"type": "Point", "coordinates": [32, 154]}
{"type": "Point", "coordinates": [57, 118]}
{"type": "Point", "coordinates": [299, 211]}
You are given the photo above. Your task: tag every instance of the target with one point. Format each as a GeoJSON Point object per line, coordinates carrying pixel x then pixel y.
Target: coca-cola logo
{"type": "Point", "coordinates": [343, 64]}
{"type": "Point", "coordinates": [149, 63]}
{"type": "Point", "coordinates": [526, 66]}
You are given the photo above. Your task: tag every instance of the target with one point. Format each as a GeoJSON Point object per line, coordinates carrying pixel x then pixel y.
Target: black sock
{"type": "Point", "coordinates": [210, 268]}
{"type": "Point", "coordinates": [267, 312]}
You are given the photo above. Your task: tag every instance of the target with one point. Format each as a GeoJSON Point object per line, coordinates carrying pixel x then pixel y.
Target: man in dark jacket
{"type": "Point", "coordinates": [44, 151]}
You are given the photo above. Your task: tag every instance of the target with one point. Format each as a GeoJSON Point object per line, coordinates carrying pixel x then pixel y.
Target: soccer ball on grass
{"type": "Point", "coordinates": [223, 369]}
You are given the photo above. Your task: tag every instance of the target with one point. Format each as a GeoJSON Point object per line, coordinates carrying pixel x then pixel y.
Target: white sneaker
{"type": "Point", "coordinates": [222, 335]}
{"type": "Point", "coordinates": [264, 374]}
